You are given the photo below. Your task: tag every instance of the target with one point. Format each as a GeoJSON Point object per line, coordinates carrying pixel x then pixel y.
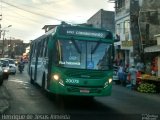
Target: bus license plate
{"type": "Point", "coordinates": [84, 91]}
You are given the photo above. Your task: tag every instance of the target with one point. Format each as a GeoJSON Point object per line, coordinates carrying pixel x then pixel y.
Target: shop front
{"type": "Point", "coordinates": [150, 80]}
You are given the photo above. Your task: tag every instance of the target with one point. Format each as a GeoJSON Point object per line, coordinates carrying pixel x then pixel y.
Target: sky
{"type": "Point", "coordinates": [27, 17]}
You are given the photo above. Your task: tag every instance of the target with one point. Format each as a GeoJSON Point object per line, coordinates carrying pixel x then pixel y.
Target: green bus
{"type": "Point", "coordinates": [73, 60]}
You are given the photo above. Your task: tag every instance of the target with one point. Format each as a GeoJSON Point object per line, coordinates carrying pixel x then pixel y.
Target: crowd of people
{"type": "Point", "coordinates": [128, 74]}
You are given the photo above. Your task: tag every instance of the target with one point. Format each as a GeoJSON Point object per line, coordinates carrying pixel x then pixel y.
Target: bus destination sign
{"type": "Point", "coordinates": [85, 33]}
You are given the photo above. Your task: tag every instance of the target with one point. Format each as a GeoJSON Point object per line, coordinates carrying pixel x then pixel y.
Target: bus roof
{"type": "Point", "coordinates": [79, 31]}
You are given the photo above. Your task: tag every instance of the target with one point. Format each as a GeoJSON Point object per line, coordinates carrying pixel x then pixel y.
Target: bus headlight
{"type": "Point", "coordinates": [55, 77]}
{"type": "Point", "coordinates": [5, 70]}
{"type": "Point", "coordinates": [110, 80]}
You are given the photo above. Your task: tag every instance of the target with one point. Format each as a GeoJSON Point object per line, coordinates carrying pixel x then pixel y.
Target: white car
{"type": "Point", "coordinates": [5, 67]}
{"type": "Point", "coordinates": [12, 66]}
{"type": "Point", "coordinates": [115, 75]}
{"type": "Point", "coordinates": [1, 74]}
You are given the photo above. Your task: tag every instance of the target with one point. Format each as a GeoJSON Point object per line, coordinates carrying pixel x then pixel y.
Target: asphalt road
{"type": "Point", "coordinates": [123, 104]}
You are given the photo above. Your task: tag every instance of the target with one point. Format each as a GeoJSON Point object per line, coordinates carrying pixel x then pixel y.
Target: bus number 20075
{"type": "Point", "coordinates": [74, 81]}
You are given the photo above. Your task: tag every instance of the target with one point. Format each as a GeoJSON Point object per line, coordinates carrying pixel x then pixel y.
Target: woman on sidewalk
{"type": "Point", "coordinates": [133, 72]}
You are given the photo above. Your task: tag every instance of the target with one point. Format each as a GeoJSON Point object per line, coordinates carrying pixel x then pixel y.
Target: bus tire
{"type": "Point", "coordinates": [43, 82]}
{"type": "Point", "coordinates": [90, 98]}
{"type": "Point", "coordinates": [31, 80]}
{"type": "Point", "coordinates": [117, 82]}
{"type": "Point", "coordinates": [1, 81]}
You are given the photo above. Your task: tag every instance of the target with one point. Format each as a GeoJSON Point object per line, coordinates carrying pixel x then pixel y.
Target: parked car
{"type": "Point", "coordinates": [1, 74]}
{"type": "Point", "coordinates": [115, 75]}
{"type": "Point", "coordinates": [12, 66]}
{"type": "Point", "coordinates": [5, 68]}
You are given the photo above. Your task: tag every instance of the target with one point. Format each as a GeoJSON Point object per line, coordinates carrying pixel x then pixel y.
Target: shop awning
{"type": "Point", "coordinates": [155, 48]}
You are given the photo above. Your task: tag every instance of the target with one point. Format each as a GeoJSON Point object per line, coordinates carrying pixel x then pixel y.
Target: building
{"type": "Point", "coordinates": [12, 48]}
{"type": "Point", "coordinates": [103, 19]}
{"type": "Point", "coordinates": [137, 21]}
{"type": "Point", "coordinates": [124, 48]}
{"type": "Point", "coordinates": [149, 22]}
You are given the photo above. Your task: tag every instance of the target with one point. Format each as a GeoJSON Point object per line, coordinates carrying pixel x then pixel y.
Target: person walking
{"type": "Point", "coordinates": [121, 74]}
{"type": "Point", "coordinates": [133, 72]}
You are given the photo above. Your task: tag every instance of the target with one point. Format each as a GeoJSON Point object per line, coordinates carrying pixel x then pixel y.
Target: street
{"type": "Point", "coordinates": [124, 103]}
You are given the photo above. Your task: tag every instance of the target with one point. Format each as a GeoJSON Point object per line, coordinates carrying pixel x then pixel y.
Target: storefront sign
{"type": "Point", "coordinates": [127, 44]}
{"type": "Point", "coordinates": [155, 48]}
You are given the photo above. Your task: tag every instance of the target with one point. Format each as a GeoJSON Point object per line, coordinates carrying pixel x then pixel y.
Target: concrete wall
{"type": "Point", "coordinates": [149, 16]}
{"type": "Point", "coordinates": [103, 19]}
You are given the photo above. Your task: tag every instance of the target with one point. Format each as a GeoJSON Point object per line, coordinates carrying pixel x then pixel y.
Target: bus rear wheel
{"type": "Point", "coordinates": [43, 82]}
{"type": "Point", "coordinates": [31, 80]}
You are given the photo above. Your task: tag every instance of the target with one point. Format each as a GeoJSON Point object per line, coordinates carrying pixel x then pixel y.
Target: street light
{"type": "Point", "coordinates": [3, 30]}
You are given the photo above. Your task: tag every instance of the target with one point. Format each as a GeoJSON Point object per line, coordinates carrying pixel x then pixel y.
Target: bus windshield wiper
{"type": "Point", "coordinates": [95, 48]}
{"type": "Point", "coordinates": [76, 46]}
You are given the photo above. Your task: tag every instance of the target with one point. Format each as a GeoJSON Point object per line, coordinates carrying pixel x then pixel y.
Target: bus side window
{"type": "Point", "coordinates": [46, 49]}
{"type": "Point", "coordinates": [45, 52]}
{"type": "Point", "coordinates": [41, 50]}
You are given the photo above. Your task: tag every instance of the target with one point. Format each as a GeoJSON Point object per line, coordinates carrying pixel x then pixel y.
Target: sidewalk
{"type": "Point", "coordinates": [4, 99]}
{"type": "Point", "coordinates": [122, 89]}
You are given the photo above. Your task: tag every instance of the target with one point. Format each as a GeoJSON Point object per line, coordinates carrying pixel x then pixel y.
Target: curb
{"type": "Point", "coordinates": [4, 99]}
{"type": "Point", "coordinates": [4, 105]}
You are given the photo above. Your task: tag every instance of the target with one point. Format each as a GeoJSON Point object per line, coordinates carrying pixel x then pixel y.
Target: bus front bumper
{"type": "Point", "coordinates": [57, 88]}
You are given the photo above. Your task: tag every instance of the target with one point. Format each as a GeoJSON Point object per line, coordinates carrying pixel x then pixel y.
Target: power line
{"type": "Point", "coordinates": [44, 3]}
{"type": "Point", "coordinates": [22, 16]}
{"type": "Point", "coordinates": [45, 16]}
{"type": "Point", "coordinates": [37, 8]}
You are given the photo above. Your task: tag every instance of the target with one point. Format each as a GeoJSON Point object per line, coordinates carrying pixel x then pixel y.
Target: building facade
{"type": "Point", "coordinates": [12, 48]}
{"type": "Point", "coordinates": [123, 48]}
{"type": "Point", "coordinates": [137, 21]}
{"type": "Point", "coordinates": [103, 19]}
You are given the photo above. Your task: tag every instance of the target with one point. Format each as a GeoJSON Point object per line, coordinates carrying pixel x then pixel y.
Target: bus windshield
{"type": "Point", "coordinates": [95, 55]}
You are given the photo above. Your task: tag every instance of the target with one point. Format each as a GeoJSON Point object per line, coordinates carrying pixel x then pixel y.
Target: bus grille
{"type": "Point", "coordinates": [82, 74]}
{"type": "Point", "coordinates": [91, 90]}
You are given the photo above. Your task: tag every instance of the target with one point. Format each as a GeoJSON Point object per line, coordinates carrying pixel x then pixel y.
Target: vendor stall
{"type": "Point", "coordinates": [150, 81]}
{"type": "Point", "coordinates": [149, 84]}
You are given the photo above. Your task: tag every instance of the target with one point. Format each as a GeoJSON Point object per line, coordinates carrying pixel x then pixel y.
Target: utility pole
{"type": "Point", "coordinates": [0, 39]}
{"type": "Point", "coordinates": [2, 33]}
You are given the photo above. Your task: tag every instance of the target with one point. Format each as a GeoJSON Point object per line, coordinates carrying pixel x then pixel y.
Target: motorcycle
{"type": "Point", "coordinates": [21, 67]}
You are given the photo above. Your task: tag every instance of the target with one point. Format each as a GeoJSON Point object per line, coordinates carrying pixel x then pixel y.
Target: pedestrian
{"type": "Point", "coordinates": [140, 67]}
{"type": "Point", "coordinates": [132, 72]}
{"type": "Point", "coordinates": [121, 74]}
